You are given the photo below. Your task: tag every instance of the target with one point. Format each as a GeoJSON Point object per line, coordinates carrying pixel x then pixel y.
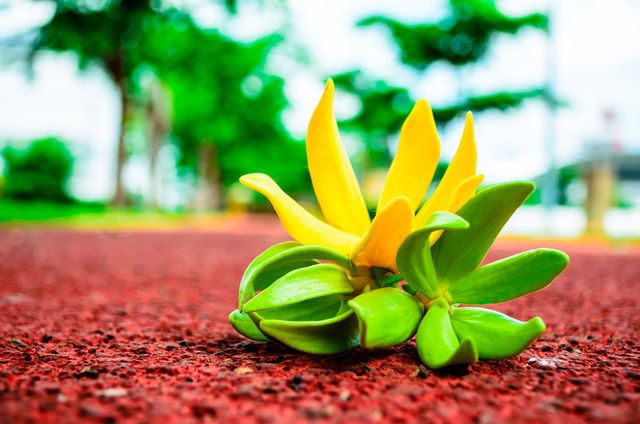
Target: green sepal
{"type": "Point", "coordinates": [281, 259]}
{"type": "Point", "coordinates": [385, 277]}
{"type": "Point", "coordinates": [244, 325]}
{"type": "Point", "coordinates": [334, 335]}
{"type": "Point", "coordinates": [458, 253]}
{"type": "Point", "coordinates": [301, 284]}
{"type": "Point", "coordinates": [437, 343]}
{"type": "Point", "coordinates": [495, 335]}
{"type": "Point", "coordinates": [386, 317]}
{"type": "Point", "coordinates": [414, 254]}
{"type": "Point", "coordinates": [509, 278]}
{"type": "Point", "coordinates": [409, 289]}
{"type": "Point", "coordinates": [391, 280]}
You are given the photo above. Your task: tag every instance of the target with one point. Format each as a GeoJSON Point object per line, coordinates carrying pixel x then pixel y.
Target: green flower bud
{"type": "Point", "coordinates": [301, 302]}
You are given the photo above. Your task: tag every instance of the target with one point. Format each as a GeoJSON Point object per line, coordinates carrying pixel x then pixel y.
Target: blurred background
{"type": "Point", "coordinates": [144, 113]}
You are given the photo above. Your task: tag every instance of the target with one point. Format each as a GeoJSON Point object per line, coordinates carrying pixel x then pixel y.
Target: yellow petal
{"type": "Point", "coordinates": [460, 196]}
{"type": "Point", "coordinates": [416, 160]}
{"type": "Point", "coordinates": [387, 232]}
{"type": "Point", "coordinates": [462, 166]}
{"type": "Point", "coordinates": [463, 193]}
{"type": "Point", "coordinates": [334, 181]}
{"type": "Point", "coordinates": [299, 223]}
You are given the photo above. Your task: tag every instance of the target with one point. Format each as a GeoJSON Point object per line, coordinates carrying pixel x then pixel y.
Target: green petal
{"type": "Point", "coordinates": [249, 279]}
{"type": "Point", "coordinates": [386, 317]}
{"type": "Point", "coordinates": [458, 253]}
{"type": "Point", "coordinates": [317, 309]}
{"type": "Point", "coordinates": [285, 257]}
{"type": "Point", "coordinates": [244, 325]}
{"type": "Point", "coordinates": [437, 343]}
{"type": "Point", "coordinates": [495, 335]}
{"type": "Point", "coordinates": [414, 255]}
{"type": "Point", "coordinates": [333, 335]}
{"type": "Point", "coordinates": [509, 278]}
{"type": "Point", "coordinates": [302, 284]}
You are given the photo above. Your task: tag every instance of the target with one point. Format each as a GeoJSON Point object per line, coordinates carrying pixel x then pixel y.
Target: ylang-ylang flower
{"type": "Point", "coordinates": [348, 228]}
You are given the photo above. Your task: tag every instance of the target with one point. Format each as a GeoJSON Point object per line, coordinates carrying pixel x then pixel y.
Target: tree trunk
{"type": "Point", "coordinates": [157, 128]}
{"type": "Point", "coordinates": [208, 192]}
{"type": "Point", "coordinates": [154, 148]}
{"type": "Point", "coordinates": [119, 199]}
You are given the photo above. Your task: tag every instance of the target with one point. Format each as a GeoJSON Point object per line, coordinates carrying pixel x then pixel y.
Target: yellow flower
{"type": "Point", "coordinates": [348, 228]}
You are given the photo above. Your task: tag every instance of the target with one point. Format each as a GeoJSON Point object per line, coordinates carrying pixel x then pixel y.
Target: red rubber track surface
{"type": "Point", "coordinates": [132, 327]}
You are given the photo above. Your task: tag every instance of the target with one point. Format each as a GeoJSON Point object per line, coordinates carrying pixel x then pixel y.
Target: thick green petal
{"type": "Point", "coordinates": [495, 335]}
{"type": "Point", "coordinates": [269, 268]}
{"type": "Point", "coordinates": [437, 343]}
{"type": "Point", "coordinates": [334, 335]}
{"type": "Point", "coordinates": [509, 278]}
{"type": "Point", "coordinates": [250, 279]}
{"type": "Point", "coordinates": [244, 325]}
{"type": "Point", "coordinates": [317, 309]}
{"type": "Point", "coordinates": [386, 317]}
{"type": "Point", "coordinates": [302, 284]}
{"type": "Point", "coordinates": [414, 255]}
{"type": "Point", "coordinates": [458, 253]}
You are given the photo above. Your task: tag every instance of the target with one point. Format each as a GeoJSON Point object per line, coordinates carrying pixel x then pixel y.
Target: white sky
{"type": "Point", "coordinates": [597, 67]}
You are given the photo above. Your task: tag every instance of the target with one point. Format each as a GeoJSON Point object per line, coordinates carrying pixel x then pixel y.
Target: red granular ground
{"type": "Point", "coordinates": [132, 327]}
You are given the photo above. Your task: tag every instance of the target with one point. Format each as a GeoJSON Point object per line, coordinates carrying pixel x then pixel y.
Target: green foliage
{"type": "Point", "coordinates": [104, 35]}
{"type": "Point", "coordinates": [535, 198]}
{"type": "Point", "coordinates": [502, 100]}
{"type": "Point", "coordinates": [462, 38]}
{"type": "Point", "coordinates": [380, 120]}
{"type": "Point", "coordinates": [566, 175]}
{"type": "Point", "coordinates": [223, 99]}
{"type": "Point", "coordinates": [38, 211]}
{"type": "Point", "coordinates": [38, 172]}
{"type": "Point", "coordinates": [384, 109]}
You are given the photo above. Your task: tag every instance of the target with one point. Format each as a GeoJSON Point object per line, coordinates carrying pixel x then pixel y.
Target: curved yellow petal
{"type": "Point", "coordinates": [334, 181]}
{"type": "Point", "coordinates": [462, 166]}
{"type": "Point", "coordinates": [387, 232]}
{"type": "Point", "coordinates": [463, 193]}
{"type": "Point", "coordinates": [460, 196]}
{"type": "Point", "coordinates": [416, 160]}
{"type": "Point", "coordinates": [299, 223]}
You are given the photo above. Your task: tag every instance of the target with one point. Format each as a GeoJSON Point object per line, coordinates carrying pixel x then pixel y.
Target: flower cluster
{"type": "Point", "coordinates": [355, 296]}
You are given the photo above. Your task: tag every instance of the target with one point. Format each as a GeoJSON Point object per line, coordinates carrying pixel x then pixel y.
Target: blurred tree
{"type": "Point", "coordinates": [461, 39]}
{"type": "Point", "coordinates": [104, 33]}
{"type": "Point", "coordinates": [226, 109]}
{"type": "Point", "coordinates": [566, 175]}
{"type": "Point", "coordinates": [38, 172]}
{"type": "Point", "coordinates": [222, 125]}
{"type": "Point", "coordinates": [157, 116]}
